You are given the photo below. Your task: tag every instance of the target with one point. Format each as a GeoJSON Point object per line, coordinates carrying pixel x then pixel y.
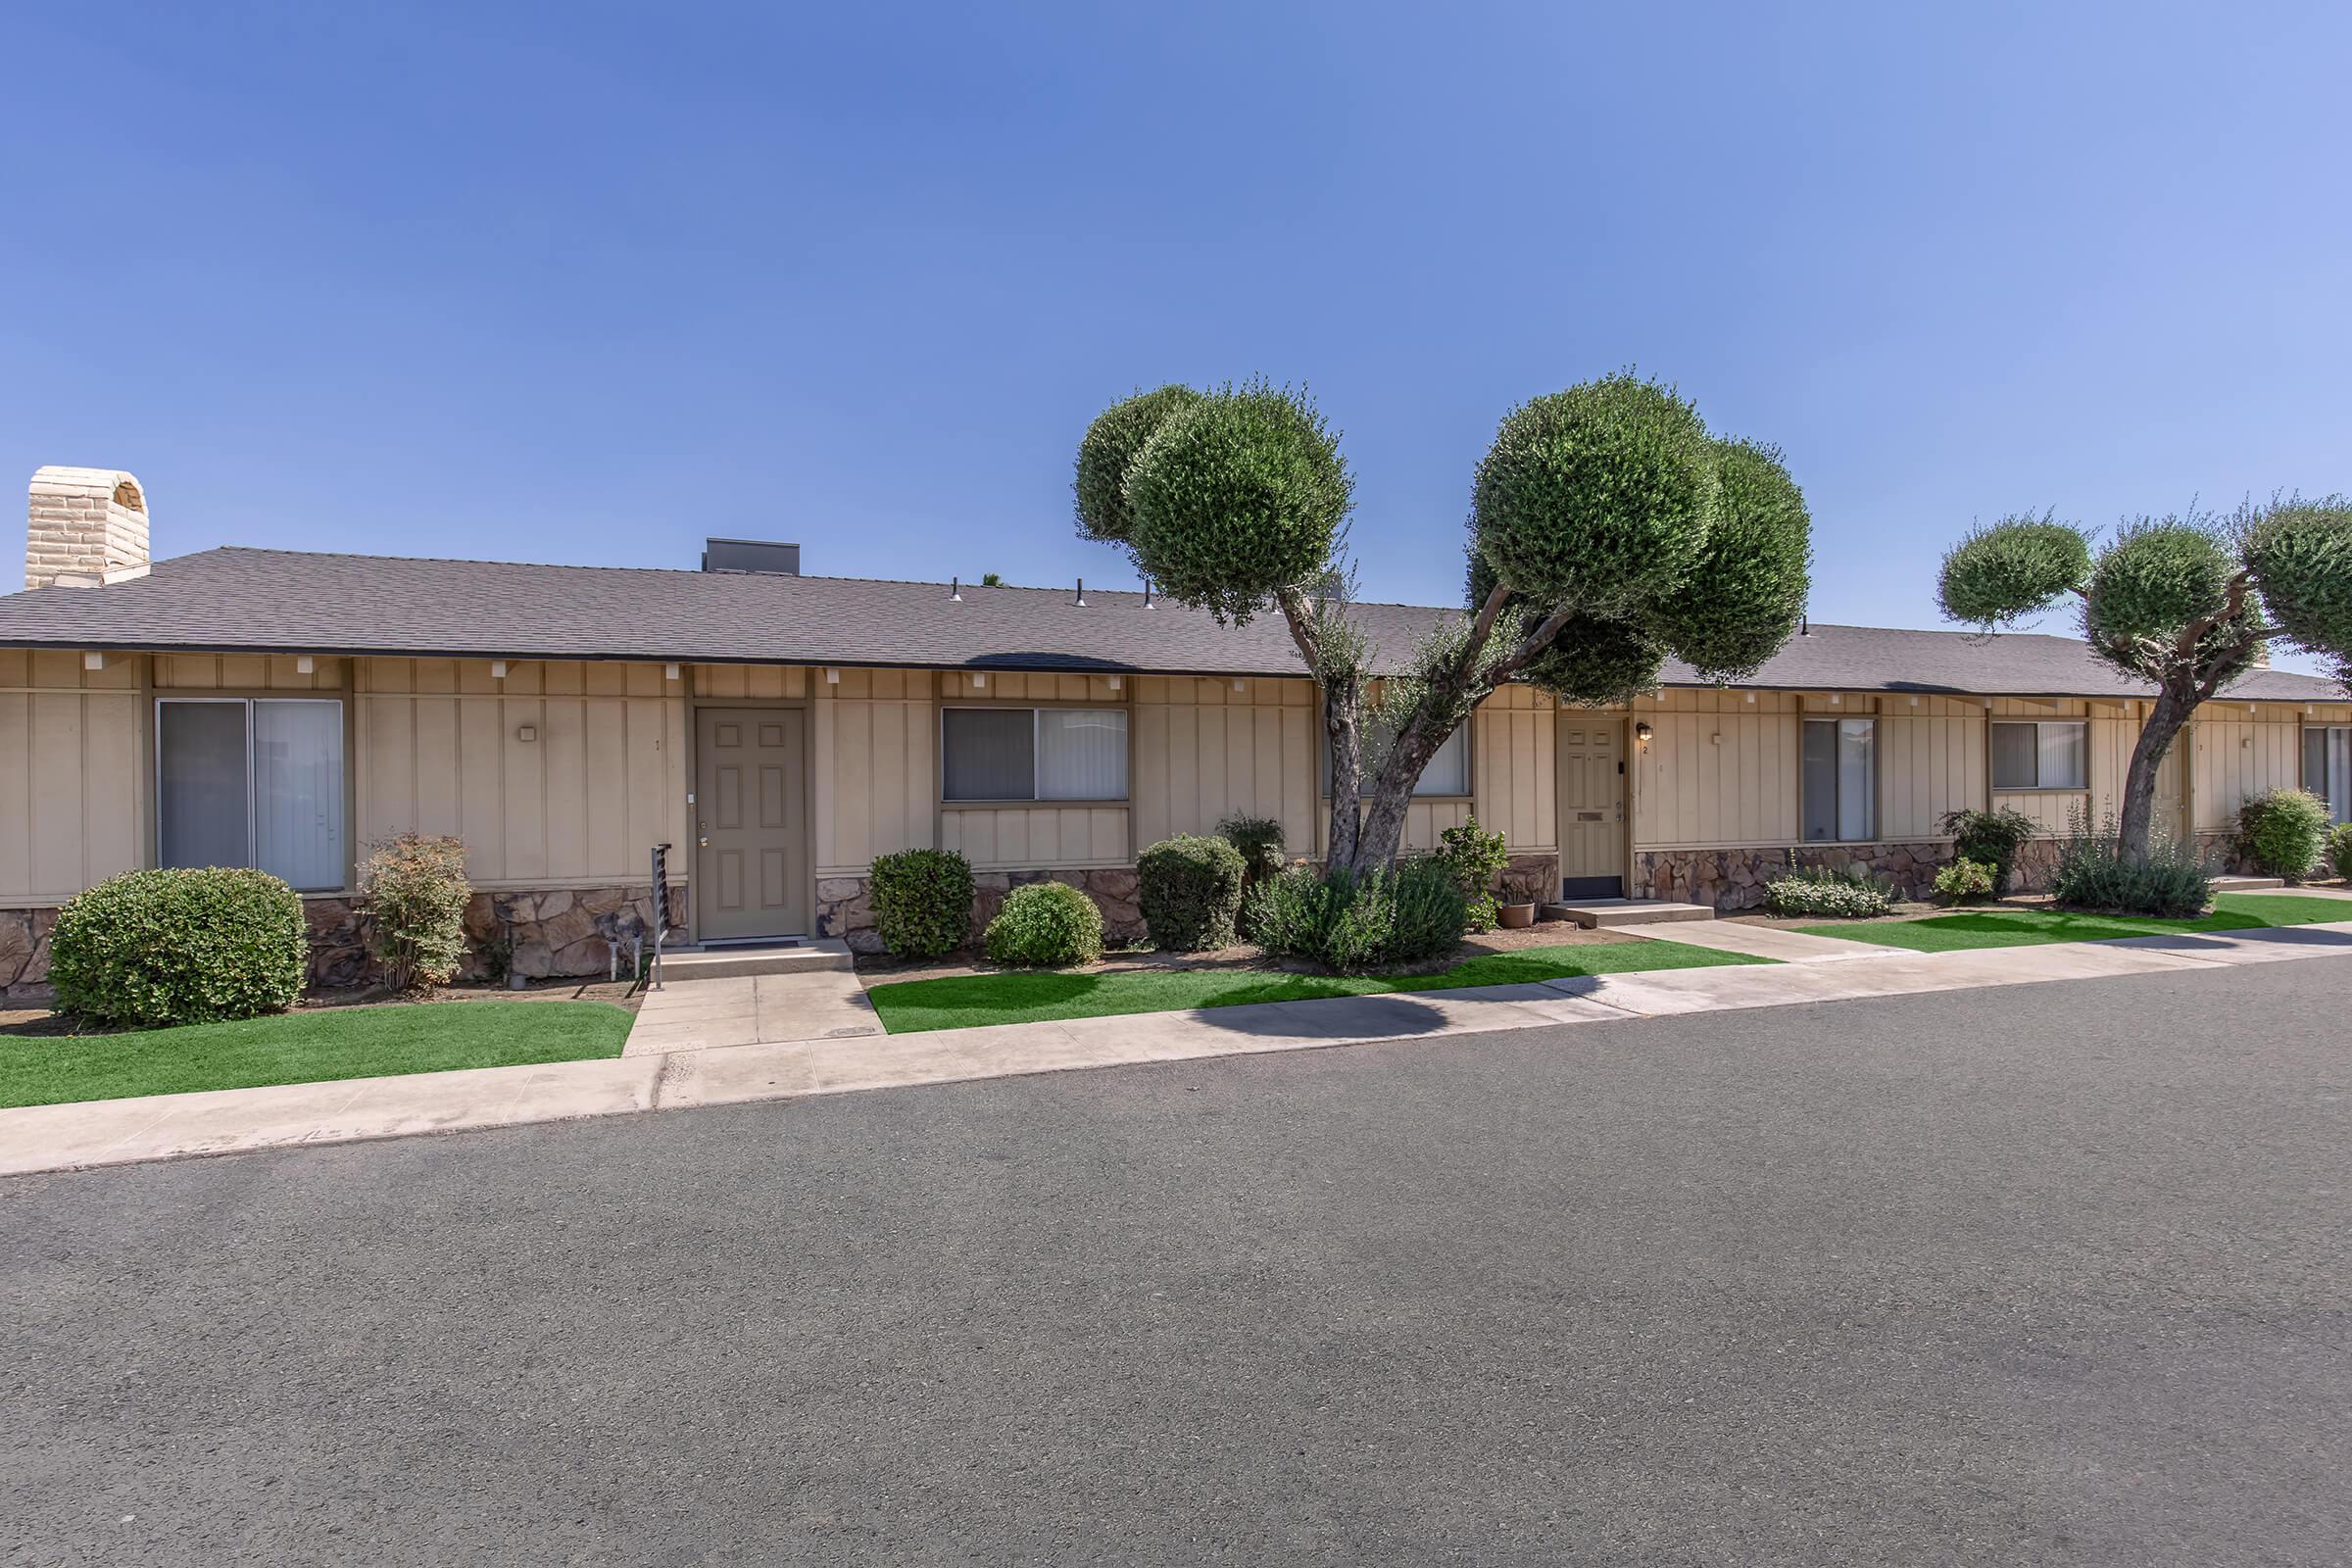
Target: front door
{"type": "Point", "coordinates": [750, 821]}
{"type": "Point", "coordinates": [1591, 774]}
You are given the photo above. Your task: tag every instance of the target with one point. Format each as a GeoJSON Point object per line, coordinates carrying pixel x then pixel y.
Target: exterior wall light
{"type": "Point", "coordinates": [1643, 732]}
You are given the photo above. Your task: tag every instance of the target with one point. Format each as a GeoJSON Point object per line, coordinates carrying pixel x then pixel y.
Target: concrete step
{"type": "Point", "coordinates": [1608, 913]}
{"type": "Point", "coordinates": [2246, 884]}
{"type": "Point", "coordinates": [727, 963]}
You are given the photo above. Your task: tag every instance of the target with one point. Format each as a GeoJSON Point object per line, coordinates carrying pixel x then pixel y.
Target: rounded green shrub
{"type": "Point", "coordinates": [1598, 498]}
{"type": "Point", "coordinates": [922, 902]}
{"type": "Point", "coordinates": [1964, 881]}
{"type": "Point", "coordinates": [1349, 923]}
{"type": "Point", "coordinates": [1189, 890]}
{"type": "Point", "coordinates": [149, 949]}
{"type": "Point", "coordinates": [1046, 924]}
{"type": "Point", "coordinates": [2340, 849]}
{"type": "Point", "coordinates": [2283, 832]}
{"type": "Point", "coordinates": [1991, 838]}
{"type": "Point", "coordinates": [1258, 841]}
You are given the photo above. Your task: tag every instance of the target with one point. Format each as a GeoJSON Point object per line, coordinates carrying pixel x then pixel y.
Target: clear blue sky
{"type": "Point", "coordinates": [587, 283]}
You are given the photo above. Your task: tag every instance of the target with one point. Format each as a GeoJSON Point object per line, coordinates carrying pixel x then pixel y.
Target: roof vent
{"type": "Point", "coordinates": [752, 555]}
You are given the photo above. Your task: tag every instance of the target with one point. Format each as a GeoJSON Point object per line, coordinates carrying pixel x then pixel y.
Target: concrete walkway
{"type": "Point", "coordinates": [752, 1009]}
{"type": "Point", "coordinates": [233, 1120]}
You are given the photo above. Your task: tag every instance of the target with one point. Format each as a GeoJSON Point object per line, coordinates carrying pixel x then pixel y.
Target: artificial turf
{"type": "Point", "coordinates": [963, 1002]}
{"type": "Point", "coordinates": [2017, 928]}
{"type": "Point", "coordinates": [308, 1047]}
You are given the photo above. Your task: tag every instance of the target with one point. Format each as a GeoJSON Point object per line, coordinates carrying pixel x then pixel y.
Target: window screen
{"type": "Point", "coordinates": [988, 754]}
{"type": "Point", "coordinates": [1081, 754]}
{"type": "Point", "coordinates": [298, 792]}
{"type": "Point", "coordinates": [203, 813]}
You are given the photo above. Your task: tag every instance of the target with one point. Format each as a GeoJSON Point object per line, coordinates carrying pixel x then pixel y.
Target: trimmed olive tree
{"type": "Point", "coordinates": [1608, 530]}
{"type": "Point", "coordinates": [2185, 603]}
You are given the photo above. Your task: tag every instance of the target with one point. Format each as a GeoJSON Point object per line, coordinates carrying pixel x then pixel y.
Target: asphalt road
{"type": "Point", "coordinates": [2046, 1274]}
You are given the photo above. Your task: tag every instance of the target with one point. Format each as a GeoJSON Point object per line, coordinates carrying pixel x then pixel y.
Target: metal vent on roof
{"type": "Point", "coordinates": [752, 555]}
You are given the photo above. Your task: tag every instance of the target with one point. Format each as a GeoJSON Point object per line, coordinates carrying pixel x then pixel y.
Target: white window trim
{"type": "Point", "coordinates": [2039, 789]}
{"type": "Point", "coordinates": [1036, 748]}
{"type": "Point", "coordinates": [156, 805]}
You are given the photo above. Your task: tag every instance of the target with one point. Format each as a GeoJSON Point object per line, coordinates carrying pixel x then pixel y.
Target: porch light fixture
{"type": "Point", "coordinates": [498, 669]}
{"type": "Point", "coordinates": [305, 664]}
{"type": "Point", "coordinates": [93, 660]}
{"type": "Point", "coordinates": [979, 682]}
{"type": "Point", "coordinates": [1241, 685]}
{"type": "Point", "coordinates": [832, 677]}
{"type": "Point", "coordinates": [669, 672]}
{"type": "Point", "coordinates": [1114, 683]}
{"type": "Point", "coordinates": [1643, 732]}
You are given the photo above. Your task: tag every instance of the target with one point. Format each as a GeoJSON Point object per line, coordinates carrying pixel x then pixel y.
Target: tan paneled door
{"type": "Point", "coordinates": [750, 820]}
{"type": "Point", "coordinates": [1591, 775]}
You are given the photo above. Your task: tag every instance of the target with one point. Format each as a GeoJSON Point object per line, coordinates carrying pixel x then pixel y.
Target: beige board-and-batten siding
{"type": "Point", "coordinates": [1200, 751]}
{"type": "Point", "coordinates": [72, 752]}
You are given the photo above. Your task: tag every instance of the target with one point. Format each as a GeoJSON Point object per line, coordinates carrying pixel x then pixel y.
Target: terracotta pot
{"type": "Point", "coordinates": [1516, 916]}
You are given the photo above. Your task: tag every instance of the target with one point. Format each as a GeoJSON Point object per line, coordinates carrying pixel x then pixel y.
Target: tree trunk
{"type": "Point", "coordinates": [2175, 703]}
{"type": "Point", "coordinates": [1343, 722]}
{"type": "Point", "coordinates": [1393, 792]}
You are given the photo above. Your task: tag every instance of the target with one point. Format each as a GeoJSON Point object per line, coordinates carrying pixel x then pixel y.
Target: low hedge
{"type": "Point", "coordinates": [1046, 924]}
{"type": "Point", "coordinates": [147, 950]}
{"type": "Point", "coordinates": [922, 902]}
{"type": "Point", "coordinates": [1189, 890]}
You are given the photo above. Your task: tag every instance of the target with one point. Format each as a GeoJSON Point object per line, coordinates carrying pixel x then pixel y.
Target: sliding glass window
{"type": "Point", "coordinates": [2327, 768]}
{"type": "Point", "coordinates": [251, 781]}
{"type": "Point", "coordinates": [1840, 780]}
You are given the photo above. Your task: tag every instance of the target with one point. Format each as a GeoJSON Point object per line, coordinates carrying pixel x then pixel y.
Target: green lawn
{"type": "Point", "coordinates": [305, 1048]}
{"type": "Point", "coordinates": [2014, 928]}
{"type": "Point", "coordinates": [963, 1002]}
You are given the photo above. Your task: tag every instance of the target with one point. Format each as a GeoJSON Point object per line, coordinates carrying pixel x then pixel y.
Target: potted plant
{"type": "Point", "coordinates": [1517, 911]}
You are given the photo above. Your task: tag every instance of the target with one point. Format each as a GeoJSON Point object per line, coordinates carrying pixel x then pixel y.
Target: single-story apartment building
{"type": "Point", "coordinates": [286, 709]}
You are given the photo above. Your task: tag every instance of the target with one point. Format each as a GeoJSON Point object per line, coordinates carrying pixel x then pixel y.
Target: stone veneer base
{"type": "Point", "coordinates": [844, 906]}
{"type": "Point", "coordinates": [1733, 879]}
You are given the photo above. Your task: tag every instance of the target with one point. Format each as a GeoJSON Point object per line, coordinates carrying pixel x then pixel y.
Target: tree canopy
{"type": "Point", "coordinates": [1608, 529]}
{"type": "Point", "coordinates": [2186, 603]}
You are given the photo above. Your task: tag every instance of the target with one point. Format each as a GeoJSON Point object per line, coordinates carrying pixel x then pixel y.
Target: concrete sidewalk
{"type": "Point", "coordinates": [111, 1132]}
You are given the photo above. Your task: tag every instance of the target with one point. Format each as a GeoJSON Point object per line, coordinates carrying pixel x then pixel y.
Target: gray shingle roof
{"type": "Point", "coordinates": [238, 600]}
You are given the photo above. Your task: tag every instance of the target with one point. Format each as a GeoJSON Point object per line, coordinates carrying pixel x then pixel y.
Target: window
{"type": "Point", "coordinates": [1841, 763]}
{"type": "Point", "coordinates": [1033, 753]}
{"type": "Point", "coordinates": [1448, 772]}
{"type": "Point", "coordinates": [251, 782]}
{"type": "Point", "coordinates": [2327, 768]}
{"type": "Point", "coordinates": [2040, 755]}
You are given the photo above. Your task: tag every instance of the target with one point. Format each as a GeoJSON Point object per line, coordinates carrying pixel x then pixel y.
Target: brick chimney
{"type": "Point", "coordinates": [85, 526]}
